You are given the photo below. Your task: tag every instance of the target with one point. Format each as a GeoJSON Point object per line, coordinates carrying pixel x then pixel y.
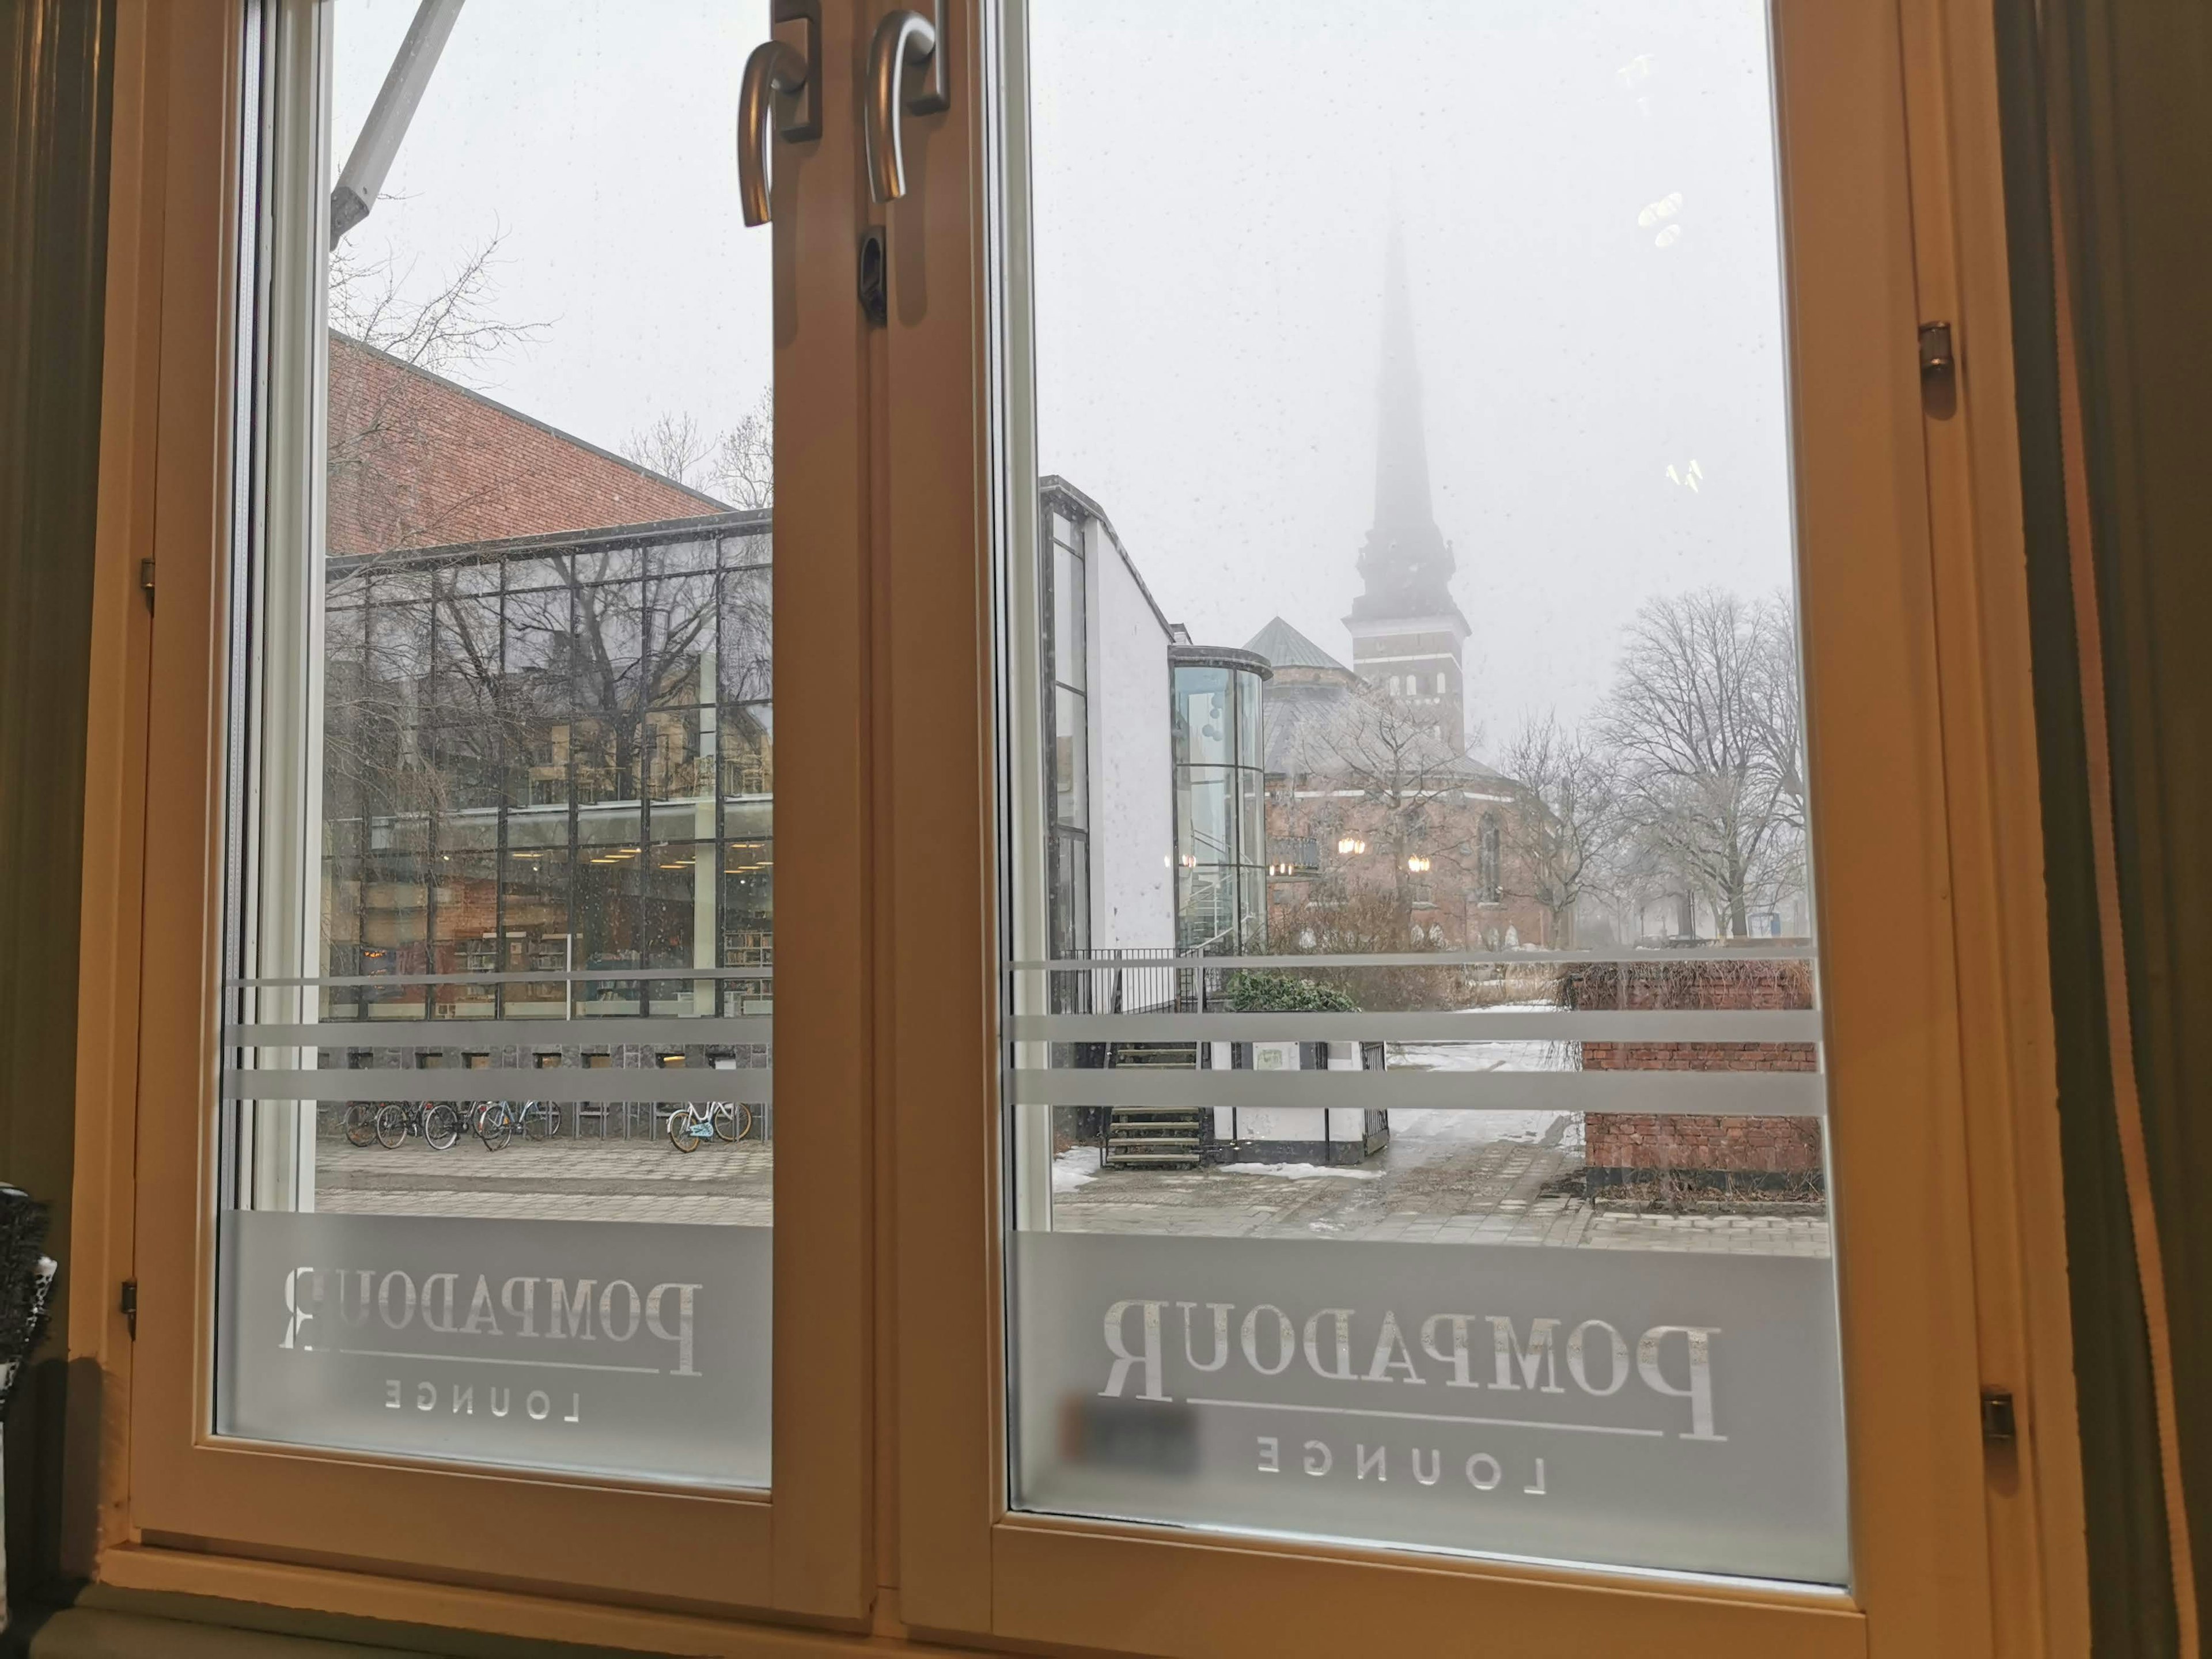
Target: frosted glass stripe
{"type": "Point", "coordinates": [557, 977]}
{"type": "Point", "coordinates": [1711, 1094]}
{"type": "Point", "coordinates": [596, 1031]}
{"type": "Point", "coordinates": [616, 1084]}
{"type": "Point", "coordinates": [1424, 959]}
{"type": "Point", "coordinates": [1599, 1025]}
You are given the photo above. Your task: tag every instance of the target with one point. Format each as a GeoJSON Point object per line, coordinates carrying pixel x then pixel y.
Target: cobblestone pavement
{"type": "Point", "coordinates": [562, 1180]}
{"type": "Point", "coordinates": [1447, 1185]}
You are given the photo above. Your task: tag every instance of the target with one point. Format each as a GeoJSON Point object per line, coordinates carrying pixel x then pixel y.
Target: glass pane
{"type": "Point", "coordinates": [1068, 654]}
{"type": "Point", "coordinates": [1070, 760]}
{"type": "Point", "coordinates": [1455, 1178]}
{"type": "Point", "coordinates": [497, 1151]}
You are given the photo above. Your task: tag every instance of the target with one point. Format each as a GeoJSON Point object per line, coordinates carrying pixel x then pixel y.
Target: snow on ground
{"type": "Point", "coordinates": [1300, 1171]}
{"type": "Point", "coordinates": [1526, 1128]}
{"type": "Point", "coordinates": [1076, 1167]}
{"type": "Point", "coordinates": [1535, 1054]}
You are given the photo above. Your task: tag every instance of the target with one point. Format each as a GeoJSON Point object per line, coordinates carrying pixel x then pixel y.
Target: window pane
{"type": "Point", "coordinates": [1205, 725]}
{"type": "Point", "coordinates": [1069, 646]}
{"type": "Point", "coordinates": [1461, 1184]}
{"type": "Point", "coordinates": [1071, 759]}
{"type": "Point", "coordinates": [744, 741]}
{"type": "Point", "coordinates": [515, 1209]}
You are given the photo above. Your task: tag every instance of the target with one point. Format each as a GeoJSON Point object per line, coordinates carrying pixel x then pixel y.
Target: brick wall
{"type": "Point", "coordinates": [1629, 1150]}
{"type": "Point", "coordinates": [417, 461]}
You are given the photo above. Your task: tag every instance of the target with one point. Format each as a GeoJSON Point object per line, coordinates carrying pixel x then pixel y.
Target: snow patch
{"type": "Point", "coordinates": [1529, 1129]}
{"type": "Point", "coordinates": [1076, 1167]}
{"type": "Point", "coordinates": [1300, 1171]}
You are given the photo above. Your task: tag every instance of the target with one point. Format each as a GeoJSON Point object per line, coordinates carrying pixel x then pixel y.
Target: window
{"type": "Point", "coordinates": [1180, 1200]}
{"type": "Point", "coordinates": [1193, 1340]}
{"type": "Point", "coordinates": [517, 696]}
{"type": "Point", "coordinates": [493, 1146]}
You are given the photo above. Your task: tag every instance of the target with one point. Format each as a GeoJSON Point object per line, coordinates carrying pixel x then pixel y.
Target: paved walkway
{"type": "Point", "coordinates": [564, 1180]}
{"type": "Point", "coordinates": [1445, 1178]}
{"type": "Point", "coordinates": [1448, 1183]}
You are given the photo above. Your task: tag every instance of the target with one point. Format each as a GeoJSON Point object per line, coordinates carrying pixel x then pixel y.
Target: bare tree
{"type": "Point", "coordinates": [1571, 821]}
{"type": "Point", "coordinates": [737, 465]}
{"type": "Point", "coordinates": [389, 725]}
{"type": "Point", "coordinates": [609, 658]}
{"type": "Point", "coordinates": [382, 432]}
{"type": "Point", "coordinates": [451, 331]}
{"type": "Point", "coordinates": [1352, 921]}
{"type": "Point", "coordinates": [675, 447]}
{"type": "Point", "coordinates": [1714, 797]}
{"type": "Point", "coordinates": [1777, 704]}
{"type": "Point", "coordinates": [1390, 774]}
{"type": "Point", "coordinates": [744, 472]}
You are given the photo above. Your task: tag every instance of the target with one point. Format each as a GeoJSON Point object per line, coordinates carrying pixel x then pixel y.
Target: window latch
{"type": "Point", "coordinates": [146, 582]}
{"type": "Point", "coordinates": [128, 1305]}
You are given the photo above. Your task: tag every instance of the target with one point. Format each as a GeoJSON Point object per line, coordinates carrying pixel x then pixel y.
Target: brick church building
{"type": "Point", "coordinates": [1383, 831]}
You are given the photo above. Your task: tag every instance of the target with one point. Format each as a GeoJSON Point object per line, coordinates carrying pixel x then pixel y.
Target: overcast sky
{"type": "Point", "coordinates": [1588, 202]}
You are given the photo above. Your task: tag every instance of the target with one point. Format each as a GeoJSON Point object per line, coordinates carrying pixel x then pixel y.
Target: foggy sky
{"type": "Point", "coordinates": [1214, 185]}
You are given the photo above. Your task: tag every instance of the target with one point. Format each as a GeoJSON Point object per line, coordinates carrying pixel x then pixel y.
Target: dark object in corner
{"type": "Point", "coordinates": [26, 1282]}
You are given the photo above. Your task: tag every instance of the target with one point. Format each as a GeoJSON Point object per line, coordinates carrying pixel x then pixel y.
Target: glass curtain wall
{"type": "Point", "coordinates": [521, 748]}
{"type": "Point", "coordinates": [1220, 792]}
{"type": "Point", "coordinates": [1067, 613]}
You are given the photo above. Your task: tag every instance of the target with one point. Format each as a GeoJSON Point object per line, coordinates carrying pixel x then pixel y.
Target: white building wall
{"type": "Point", "coordinates": [1132, 770]}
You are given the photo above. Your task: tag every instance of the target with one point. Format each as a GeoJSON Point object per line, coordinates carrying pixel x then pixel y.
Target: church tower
{"type": "Point", "coordinates": [1407, 632]}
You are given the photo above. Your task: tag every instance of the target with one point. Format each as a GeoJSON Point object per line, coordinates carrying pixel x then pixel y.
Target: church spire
{"type": "Point", "coordinates": [1406, 566]}
{"type": "Point", "coordinates": [1401, 451]}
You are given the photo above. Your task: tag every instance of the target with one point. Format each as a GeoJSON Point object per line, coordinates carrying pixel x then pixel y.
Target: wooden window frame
{"type": "Point", "coordinates": [801, 1548]}
{"type": "Point", "coordinates": [1894, 604]}
{"type": "Point", "coordinates": [889, 1436]}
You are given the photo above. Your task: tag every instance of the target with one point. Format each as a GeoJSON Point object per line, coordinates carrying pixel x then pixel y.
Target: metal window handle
{"type": "Point", "coordinates": [777, 69]}
{"type": "Point", "coordinates": [902, 38]}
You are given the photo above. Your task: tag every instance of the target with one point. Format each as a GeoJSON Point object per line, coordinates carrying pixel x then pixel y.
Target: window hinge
{"type": "Point", "coordinates": [146, 582]}
{"type": "Point", "coordinates": [2000, 1427]}
{"type": "Point", "coordinates": [129, 1306]}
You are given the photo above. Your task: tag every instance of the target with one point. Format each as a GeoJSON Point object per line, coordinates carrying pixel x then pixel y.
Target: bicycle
{"type": "Point", "coordinates": [693, 1123]}
{"type": "Point", "coordinates": [497, 1121]}
{"type": "Point", "coordinates": [440, 1125]}
{"type": "Point", "coordinates": [361, 1122]}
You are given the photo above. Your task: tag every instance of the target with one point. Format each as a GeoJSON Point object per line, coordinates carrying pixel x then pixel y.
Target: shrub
{"type": "Point", "coordinates": [1251, 993]}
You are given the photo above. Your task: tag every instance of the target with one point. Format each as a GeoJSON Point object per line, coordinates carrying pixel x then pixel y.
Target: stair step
{"type": "Point", "coordinates": [1181, 1160]}
{"type": "Point", "coordinates": [1154, 1057]}
{"type": "Point", "coordinates": [1153, 1111]}
{"type": "Point", "coordinates": [1148, 1143]}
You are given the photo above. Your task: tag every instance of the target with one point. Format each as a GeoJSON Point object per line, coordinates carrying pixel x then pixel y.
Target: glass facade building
{"type": "Point", "coordinates": [545, 756]}
{"type": "Point", "coordinates": [1220, 799]}
{"type": "Point", "coordinates": [1068, 725]}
